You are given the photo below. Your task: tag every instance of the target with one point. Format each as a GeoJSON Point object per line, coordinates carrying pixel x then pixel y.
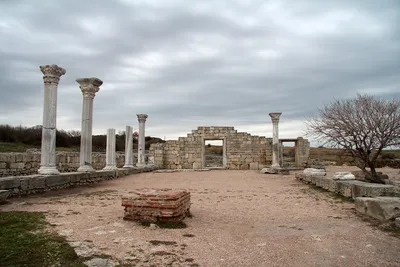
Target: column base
{"type": "Point", "coordinates": [129, 166]}
{"type": "Point", "coordinates": [110, 168]}
{"type": "Point", "coordinates": [86, 168]}
{"type": "Point", "coordinates": [48, 170]}
{"type": "Point", "coordinates": [141, 165]}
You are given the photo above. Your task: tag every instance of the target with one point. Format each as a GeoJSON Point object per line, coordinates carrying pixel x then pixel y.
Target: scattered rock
{"type": "Point", "coordinates": [271, 170]}
{"type": "Point", "coordinates": [66, 232]}
{"type": "Point", "coordinates": [344, 176]}
{"type": "Point", "coordinates": [153, 226]}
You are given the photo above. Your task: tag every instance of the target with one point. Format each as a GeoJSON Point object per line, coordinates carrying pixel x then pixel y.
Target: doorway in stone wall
{"type": "Point", "coordinates": [214, 155]}
{"type": "Point", "coordinates": [288, 153]}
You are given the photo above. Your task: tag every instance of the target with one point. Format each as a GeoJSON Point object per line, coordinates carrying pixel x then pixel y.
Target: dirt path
{"type": "Point", "coordinates": [240, 218]}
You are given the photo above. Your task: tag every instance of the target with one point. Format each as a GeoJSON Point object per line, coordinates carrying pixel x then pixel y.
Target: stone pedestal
{"type": "Point", "coordinates": [157, 205]}
{"type": "Point", "coordinates": [89, 88]}
{"type": "Point", "coordinates": [128, 147]}
{"type": "Point", "coordinates": [141, 146]}
{"type": "Point", "coordinates": [275, 139]}
{"type": "Point", "coordinates": [111, 162]}
{"type": "Point", "coordinates": [51, 77]}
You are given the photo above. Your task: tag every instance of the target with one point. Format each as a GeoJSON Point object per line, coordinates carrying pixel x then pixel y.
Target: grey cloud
{"type": "Point", "coordinates": [217, 62]}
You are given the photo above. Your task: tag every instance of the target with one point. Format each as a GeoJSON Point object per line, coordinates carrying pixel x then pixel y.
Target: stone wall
{"type": "Point", "coordinates": [240, 149]}
{"type": "Point", "coordinates": [32, 184]}
{"type": "Point", "coordinates": [12, 164]}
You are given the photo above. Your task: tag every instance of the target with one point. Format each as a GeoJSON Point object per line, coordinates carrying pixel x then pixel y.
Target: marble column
{"type": "Point", "coordinates": [51, 78]}
{"type": "Point", "coordinates": [141, 144]}
{"type": "Point", "coordinates": [275, 139]}
{"type": "Point", "coordinates": [129, 147]}
{"type": "Point", "coordinates": [111, 162]}
{"type": "Point", "coordinates": [89, 88]}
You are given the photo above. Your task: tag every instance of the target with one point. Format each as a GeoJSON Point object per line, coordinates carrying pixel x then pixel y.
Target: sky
{"type": "Point", "coordinates": [196, 63]}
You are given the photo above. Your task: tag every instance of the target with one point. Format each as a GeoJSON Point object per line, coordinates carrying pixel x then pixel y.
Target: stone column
{"type": "Point", "coordinates": [89, 88]}
{"type": "Point", "coordinates": [51, 77]}
{"type": "Point", "coordinates": [128, 147]}
{"type": "Point", "coordinates": [111, 162]}
{"type": "Point", "coordinates": [275, 139]}
{"type": "Point", "coordinates": [141, 146]}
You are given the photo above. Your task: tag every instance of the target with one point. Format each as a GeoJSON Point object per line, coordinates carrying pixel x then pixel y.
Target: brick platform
{"type": "Point", "coordinates": [157, 205]}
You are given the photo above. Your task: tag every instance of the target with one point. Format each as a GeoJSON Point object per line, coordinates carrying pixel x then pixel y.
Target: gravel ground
{"type": "Point", "coordinates": [240, 218]}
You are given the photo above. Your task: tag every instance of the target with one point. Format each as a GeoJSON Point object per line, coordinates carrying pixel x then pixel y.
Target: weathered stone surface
{"type": "Point", "coordinates": [153, 205]}
{"type": "Point", "coordinates": [381, 208]}
{"type": "Point", "coordinates": [4, 194]}
{"type": "Point", "coordinates": [280, 171]}
{"type": "Point", "coordinates": [241, 149]}
{"type": "Point", "coordinates": [313, 171]}
{"type": "Point", "coordinates": [344, 176]}
{"type": "Point", "coordinates": [397, 222]}
{"type": "Point", "coordinates": [364, 189]}
{"type": "Point", "coordinates": [24, 185]}
{"type": "Point", "coordinates": [254, 166]}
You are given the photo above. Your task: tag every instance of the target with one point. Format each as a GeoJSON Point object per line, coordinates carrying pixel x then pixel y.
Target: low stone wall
{"type": "Point", "coordinates": [15, 164]}
{"type": "Point", "coordinates": [31, 184]}
{"type": "Point", "coordinates": [350, 188]}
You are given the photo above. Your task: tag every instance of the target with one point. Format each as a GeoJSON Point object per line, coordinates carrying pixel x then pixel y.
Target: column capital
{"type": "Point", "coordinates": [89, 86]}
{"type": "Point", "coordinates": [275, 116]}
{"type": "Point", "coordinates": [52, 73]}
{"type": "Point", "coordinates": [142, 117]}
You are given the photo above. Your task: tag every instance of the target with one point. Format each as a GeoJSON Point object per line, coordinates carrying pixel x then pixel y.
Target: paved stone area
{"type": "Point", "coordinates": [240, 218]}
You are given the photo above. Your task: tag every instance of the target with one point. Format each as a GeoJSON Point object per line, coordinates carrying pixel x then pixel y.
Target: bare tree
{"type": "Point", "coordinates": [364, 126]}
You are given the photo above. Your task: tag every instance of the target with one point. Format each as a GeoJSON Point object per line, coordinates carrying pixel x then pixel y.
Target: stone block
{"type": "Point", "coordinates": [254, 166]}
{"type": "Point", "coordinates": [17, 165]}
{"type": "Point", "coordinates": [381, 208]}
{"type": "Point", "coordinates": [364, 189]}
{"type": "Point", "coordinates": [10, 182]}
{"type": "Point", "coordinates": [58, 180]}
{"type": "Point", "coordinates": [343, 176]}
{"type": "Point", "coordinates": [4, 195]}
{"type": "Point", "coordinates": [397, 222]}
{"type": "Point", "coordinates": [344, 188]}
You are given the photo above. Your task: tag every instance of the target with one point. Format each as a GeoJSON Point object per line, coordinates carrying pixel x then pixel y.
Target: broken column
{"type": "Point", "coordinates": [275, 139]}
{"type": "Point", "coordinates": [51, 77]}
{"type": "Point", "coordinates": [111, 163]}
{"type": "Point", "coordinates": [128, 147]}
{"type": "Point", "coordinates": [141, 146]}
{"type": "Point", "coordinates": [89, 88]}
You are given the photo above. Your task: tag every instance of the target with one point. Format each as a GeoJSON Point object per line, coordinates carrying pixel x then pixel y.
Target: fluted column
{"type": "Point", "coordinates": [141, 144]}
{"type": "Point", "coordinates": [128, 147]}
{"type": "Point", "coordinates": [275, 139]}
{"type": "Point", "coordinates": [51, 78]}
{"type": "Point", "coordinates": [89, 88]}
{"type": "Point", "coordinates": [111, 162]}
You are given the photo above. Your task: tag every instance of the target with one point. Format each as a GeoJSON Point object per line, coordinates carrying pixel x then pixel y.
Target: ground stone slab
{"type": "Point", "coordinates": [381, 208]}
{"type": "Point", "coordinates": [100, 262]}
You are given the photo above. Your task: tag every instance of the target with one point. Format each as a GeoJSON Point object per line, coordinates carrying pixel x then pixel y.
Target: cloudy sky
{"type": "Point", "coordinates": [190, 63]}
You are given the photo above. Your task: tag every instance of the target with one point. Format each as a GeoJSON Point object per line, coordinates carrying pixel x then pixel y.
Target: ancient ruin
{"type": "Point", "coordinates": [89, 88]}
{"type": "Point", "coordinates": [241, 151]}
{"type": "Point", "coordinates": [51, 77]}
{"type": "Point", "coordinates": [161, 205]}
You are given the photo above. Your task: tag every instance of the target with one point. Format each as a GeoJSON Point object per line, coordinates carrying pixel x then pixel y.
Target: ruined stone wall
{"type": "Point", "coordinates": [240, 149]}
{"type": "Point", "coordinates": [302, 152]}
{"type": "Point", "coordinates": [12, 164]}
